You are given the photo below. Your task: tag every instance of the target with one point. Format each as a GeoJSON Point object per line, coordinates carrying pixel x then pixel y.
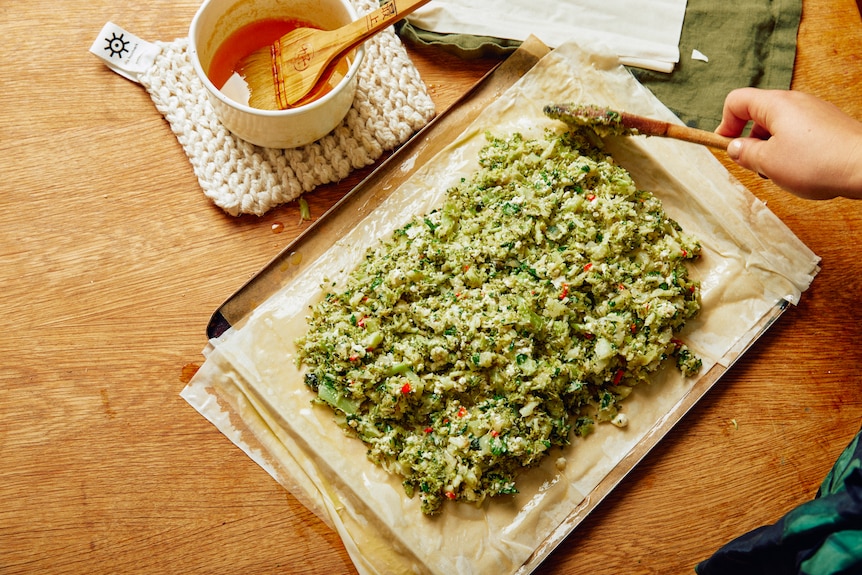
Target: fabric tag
{"type": "Point", "coordinates": [123, 52]}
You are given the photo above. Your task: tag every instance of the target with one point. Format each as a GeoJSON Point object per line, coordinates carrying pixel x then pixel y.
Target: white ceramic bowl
{"type": "Point", "coordinates": [216, 20]}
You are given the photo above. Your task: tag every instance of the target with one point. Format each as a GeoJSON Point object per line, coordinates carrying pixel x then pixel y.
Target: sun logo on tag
{"type": "Point", "coordinates": [116, 45]}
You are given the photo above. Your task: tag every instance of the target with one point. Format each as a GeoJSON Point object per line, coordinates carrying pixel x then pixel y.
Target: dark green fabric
{"type": "Point", "coordinates": [819, 537]}
{"type": "Point", "coordinates": [464, 45]}
{"type": "Point", "coordinates": [748, 43]}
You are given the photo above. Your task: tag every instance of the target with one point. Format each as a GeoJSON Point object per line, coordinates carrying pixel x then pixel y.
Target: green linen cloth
{"type": "Point", "coordinates": [747, 42]}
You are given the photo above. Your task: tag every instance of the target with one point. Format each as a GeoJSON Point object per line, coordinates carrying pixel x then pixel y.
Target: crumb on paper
{"type": "Point", "coordinates": [698, 55]}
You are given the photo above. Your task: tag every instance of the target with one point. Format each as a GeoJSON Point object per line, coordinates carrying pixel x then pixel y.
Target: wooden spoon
{"type": "Point", "coordinates": [611, 122]}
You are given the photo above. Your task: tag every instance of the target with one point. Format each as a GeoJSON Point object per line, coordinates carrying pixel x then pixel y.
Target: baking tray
{"type": "Point", "coordinates": [372, 191]}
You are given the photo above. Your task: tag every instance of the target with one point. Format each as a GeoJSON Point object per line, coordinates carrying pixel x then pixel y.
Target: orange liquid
{"type": "Point", "coordinates": [257, 35]}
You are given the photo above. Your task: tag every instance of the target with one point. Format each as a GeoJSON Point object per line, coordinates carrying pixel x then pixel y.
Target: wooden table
{"type": "Point", "coordinates": [113, 260]}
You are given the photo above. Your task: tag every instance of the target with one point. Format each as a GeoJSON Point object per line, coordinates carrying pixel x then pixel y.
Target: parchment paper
{"type": "Point", "coordinates": [250, 388]}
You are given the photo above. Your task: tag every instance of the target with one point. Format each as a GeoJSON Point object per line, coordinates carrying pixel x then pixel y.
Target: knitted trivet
{"type": "Point", "coordinates": [391, 104]}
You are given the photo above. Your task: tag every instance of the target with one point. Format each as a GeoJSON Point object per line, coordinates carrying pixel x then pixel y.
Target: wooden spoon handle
{"type": "Point", "coordinates": [352, 35]}
{"type": "Point", "coordinates": [652, 127]}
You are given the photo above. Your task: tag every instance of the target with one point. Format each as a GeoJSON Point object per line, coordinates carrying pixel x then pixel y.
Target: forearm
{"type": "Point", "coordinates": [854, 171]}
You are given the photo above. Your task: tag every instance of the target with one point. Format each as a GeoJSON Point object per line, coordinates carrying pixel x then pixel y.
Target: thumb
{"type": "Point", "coordinates": [747, 152]}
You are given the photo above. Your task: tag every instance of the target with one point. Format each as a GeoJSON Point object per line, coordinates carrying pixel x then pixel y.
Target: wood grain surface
{"type": "Point", "coordinates": [113, 261]}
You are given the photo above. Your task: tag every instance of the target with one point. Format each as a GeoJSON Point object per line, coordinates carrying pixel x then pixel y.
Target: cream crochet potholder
{"type": "Point", "coordinates": [391, 104]}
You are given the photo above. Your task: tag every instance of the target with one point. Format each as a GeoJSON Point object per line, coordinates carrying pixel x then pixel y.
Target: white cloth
{"type": "Point", "coordinates": [642, 34]}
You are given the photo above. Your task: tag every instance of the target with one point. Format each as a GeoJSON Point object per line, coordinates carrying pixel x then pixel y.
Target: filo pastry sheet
{"type": "Point", "coordinates": [251, 388]}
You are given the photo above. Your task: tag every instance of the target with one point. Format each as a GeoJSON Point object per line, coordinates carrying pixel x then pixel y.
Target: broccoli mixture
{"type": "Point", "coordinates": [478, 337]}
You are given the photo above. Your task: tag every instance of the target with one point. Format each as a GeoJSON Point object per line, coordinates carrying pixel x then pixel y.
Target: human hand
{"type": "Point", "coordinates": [805, 145]}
